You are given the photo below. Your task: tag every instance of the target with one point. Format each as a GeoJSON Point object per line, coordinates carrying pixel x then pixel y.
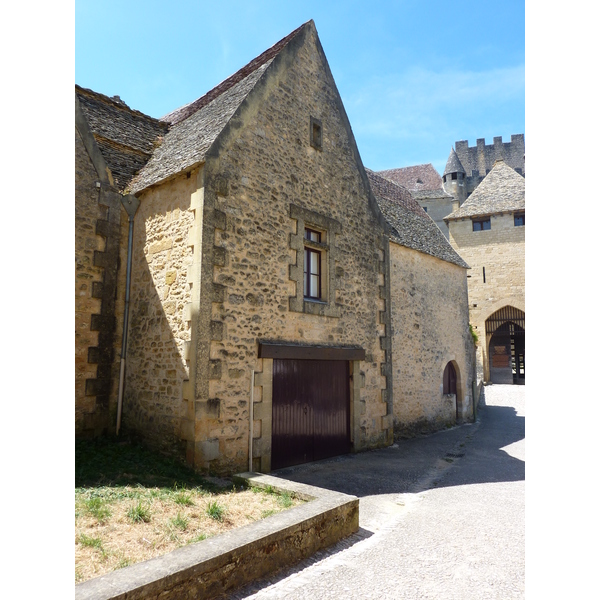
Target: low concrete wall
{"type": "Point", "coordinates": [228, 561]}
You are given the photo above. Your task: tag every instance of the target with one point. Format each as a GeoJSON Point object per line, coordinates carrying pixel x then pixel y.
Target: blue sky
{"type": "Point", "coordinates": [414, 76]}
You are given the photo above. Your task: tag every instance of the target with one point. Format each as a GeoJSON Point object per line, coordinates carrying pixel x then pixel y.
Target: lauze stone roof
{"type": "Point", "coordinates": [418, 178]}
{"type": "Point", "coordinates": [195, 126]}
{"type": "Point", "coordinates": [125, 137]}
{"type": "Point", "coordinates": [502, 190]}
{"type": "Point", "coordinates": [411, 226]}
{"type": "Point", "coordinates": [142, 151]}
{"type": "Point", "coordinates": [454, 165]}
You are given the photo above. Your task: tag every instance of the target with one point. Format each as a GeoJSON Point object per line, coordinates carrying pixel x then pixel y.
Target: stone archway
{"type": "Point", "coordinates": [452, 385]}
{"type": "Point", "coordinates": [505, 346]}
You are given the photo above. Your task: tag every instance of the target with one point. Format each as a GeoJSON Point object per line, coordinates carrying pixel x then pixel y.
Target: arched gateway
{"type": "Point", "coordinates": [505, 343]}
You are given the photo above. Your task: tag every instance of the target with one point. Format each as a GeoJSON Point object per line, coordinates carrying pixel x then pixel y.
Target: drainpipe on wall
{"type": "Point", "coordinates": [130, 203]}
{"type": "Point", "coordinates": [251, 420]}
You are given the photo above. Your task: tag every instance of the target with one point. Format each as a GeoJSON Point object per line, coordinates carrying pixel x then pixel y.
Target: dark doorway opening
{"type": "Point", "coordinates": [449, 383]}
{"type": "Point", "coordinates": [505, 330]}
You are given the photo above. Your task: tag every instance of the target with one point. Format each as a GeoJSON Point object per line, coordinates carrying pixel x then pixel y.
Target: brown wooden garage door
{"type": "Point", "coordinates": [311, 411]}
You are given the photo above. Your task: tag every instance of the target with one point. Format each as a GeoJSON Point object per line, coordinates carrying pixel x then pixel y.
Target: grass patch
{"type": "Point", "coordinates": [90, 542]}
{"type": "Point", "coordinates": [139, 513]}
{"type": "Point", "coordinates": [180, 522]}
{"type": "Point", "coordinates": [98, 508]}
{"type": "Point", "coordinates": [132, 504]}
{"type": "Point", "coordinates": [215, 511]}
{"type": "Point", "coordinates": [285, 500]}
{"type": "Point", "coordinates": [183, 499]}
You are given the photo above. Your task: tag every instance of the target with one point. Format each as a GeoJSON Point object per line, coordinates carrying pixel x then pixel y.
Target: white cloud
{"type": "Point", "coordinates": [420, 102]}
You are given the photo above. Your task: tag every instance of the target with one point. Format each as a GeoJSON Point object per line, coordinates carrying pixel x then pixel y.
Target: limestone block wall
{"type": "Point", "coordinates": [263, 182]}
{"type": "Point", "coordinates": [430, 328]}
{"type": "Point", "coordinates": [501, 252]}
{"type": "Point", "coordinates": [87, 275]}
{"type": "Point", "coordinates": [437, 209]}
{"type": "Point", "coordinates": [160, 329]}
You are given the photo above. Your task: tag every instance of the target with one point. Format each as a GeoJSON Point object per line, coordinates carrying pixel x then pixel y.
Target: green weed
{"type": "Point", "coordinates": [183, 499]}
{"type": "Point", "coordinates": [285, 500]}
{"type": "Point", "coordinates": [180, 522]}
{"type": "Point", "coordinates": [123, 562]}
{"type": "Point", "coordinates": [139, 513]}
{"type": "Point", "coordinates": [90, 542]}
{"type": "Point", "coordinates": [97, 508]}
{"type": "Point", "coordinates": [215, 511]}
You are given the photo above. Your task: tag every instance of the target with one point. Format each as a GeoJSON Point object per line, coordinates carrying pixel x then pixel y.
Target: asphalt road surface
{"type": "Point", "coordinates": [441, 516]}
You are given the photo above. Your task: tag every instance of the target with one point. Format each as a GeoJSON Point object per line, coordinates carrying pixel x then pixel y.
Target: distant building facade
{"type": "Point", "coordinates": [488, 231]}
{"type": "Point", "coordinates": [432, 349]}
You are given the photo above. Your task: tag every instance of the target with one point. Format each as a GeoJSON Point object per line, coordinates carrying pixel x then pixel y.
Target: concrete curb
{"type": "Point", "coordinates": [221, 564]}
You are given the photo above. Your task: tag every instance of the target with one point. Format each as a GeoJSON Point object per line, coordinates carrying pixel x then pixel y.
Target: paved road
{"type": "Point", "coordinates": [441, 516]}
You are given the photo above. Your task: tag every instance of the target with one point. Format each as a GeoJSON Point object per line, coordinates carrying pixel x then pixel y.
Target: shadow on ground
{"type": "Point", "coordinates": [422, 463]}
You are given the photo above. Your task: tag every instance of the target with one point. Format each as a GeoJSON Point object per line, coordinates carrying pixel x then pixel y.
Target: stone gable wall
{"type": "Point", "coordinates": [262, 166]}
{"type": "Point", "coordinates": [501, 250]}
{"type": "Point", "coordinates": [431, 328]}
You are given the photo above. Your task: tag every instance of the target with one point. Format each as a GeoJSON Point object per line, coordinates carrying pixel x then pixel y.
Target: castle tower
{"type": "Point", "coordinates": [454, 178]}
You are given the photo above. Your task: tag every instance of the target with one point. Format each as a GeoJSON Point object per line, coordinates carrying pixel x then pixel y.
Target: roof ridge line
{"type": "Point", "coordinates": [121, 104]}
{"type": "Point", "coordinates": [187, 110]}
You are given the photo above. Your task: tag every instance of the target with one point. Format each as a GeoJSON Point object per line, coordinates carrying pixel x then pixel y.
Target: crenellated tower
{"type": "Point", "coordinates": [477, 161]}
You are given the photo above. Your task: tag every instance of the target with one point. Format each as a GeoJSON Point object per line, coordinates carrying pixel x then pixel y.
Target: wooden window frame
{"type": "Point", "coordinates": [328, 228]}
{"type": "Point", "coordinates": [316, 134]}
{"type": "Point", "coordinates": [312, 235]}
{"type": "Point", "coordinates": [479, 224]}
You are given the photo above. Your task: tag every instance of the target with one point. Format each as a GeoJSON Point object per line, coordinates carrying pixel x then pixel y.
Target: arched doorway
{"type": "Point", "coordinates": [449, 386]}
{"type": "Point", "coordinates": [505, 336]}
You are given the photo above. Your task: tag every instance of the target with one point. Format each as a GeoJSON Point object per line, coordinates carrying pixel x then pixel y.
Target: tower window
{"type": "Point", "coordinates": [520, 220]}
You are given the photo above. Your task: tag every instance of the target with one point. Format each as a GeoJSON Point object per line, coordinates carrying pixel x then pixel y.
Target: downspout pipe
{"type": "Point", "coordinates": [131, 204]}
{"type": "Point", "coordinates": [251, 436]}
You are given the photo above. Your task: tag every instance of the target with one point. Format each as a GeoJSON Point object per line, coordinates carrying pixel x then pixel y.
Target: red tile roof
{"type": "Point", "coordinates": [416, 178]}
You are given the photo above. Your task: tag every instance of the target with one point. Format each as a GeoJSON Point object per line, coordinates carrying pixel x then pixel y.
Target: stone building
{"type": "Point", "coordinates": [488, 231]}
{"type": "Point", "coordinates": [112, 143]}
{"type": "Point", "coordinates": [426, 187]}
{"type": "Point", "coordinates": [432, 348]}
{"type": "Point", "coordinates": [467, 166]}
{"type": "Point", "coordinates": [252, 276]}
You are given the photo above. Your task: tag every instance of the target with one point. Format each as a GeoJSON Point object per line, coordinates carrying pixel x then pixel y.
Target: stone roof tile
{"type": "Point", "coordinates": [411, 226]}
{"type": "Point", "coordinates": [126, 137]}
{"type": "Point", "coordinates": [195, 126]}
{"type": "Point", "coordinates": [502, 190]}
{"type": "Point", "coordinates": [454, 165]}
{"type": "Point", "coordinates": [419, 178]}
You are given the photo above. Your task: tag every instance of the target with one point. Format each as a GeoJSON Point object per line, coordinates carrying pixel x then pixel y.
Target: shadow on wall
{"type": "Point", "coordinates": [155, 369]}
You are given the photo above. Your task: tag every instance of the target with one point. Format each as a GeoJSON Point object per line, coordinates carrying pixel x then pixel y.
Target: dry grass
{"type": "Point", "coordinates": [121, 519]}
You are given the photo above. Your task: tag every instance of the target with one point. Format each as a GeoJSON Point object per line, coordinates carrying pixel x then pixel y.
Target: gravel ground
{"type": "Point", "coordinates": [441, 516]}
